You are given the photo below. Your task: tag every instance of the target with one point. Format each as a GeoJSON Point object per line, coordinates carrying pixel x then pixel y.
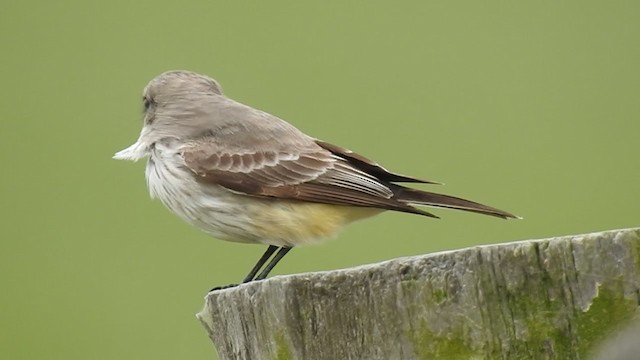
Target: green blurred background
{"type": "Point", "coordinates": [531, 107]}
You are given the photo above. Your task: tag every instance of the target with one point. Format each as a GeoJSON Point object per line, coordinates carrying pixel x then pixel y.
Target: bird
{"type": "Point", "coordinates": [243, 175]}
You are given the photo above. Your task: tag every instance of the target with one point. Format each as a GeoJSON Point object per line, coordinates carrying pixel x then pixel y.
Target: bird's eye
{"type": "Point", "coordinates": [148, 113]}
{"type": "Point", "coordinates": [146, 103]}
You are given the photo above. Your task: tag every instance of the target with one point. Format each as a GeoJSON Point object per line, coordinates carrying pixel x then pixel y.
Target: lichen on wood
{"type": "Point", "coordinates": [541, 299]}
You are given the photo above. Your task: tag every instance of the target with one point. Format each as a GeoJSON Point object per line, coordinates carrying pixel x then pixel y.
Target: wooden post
{"type": "Point", "coordinates": [555, 298]}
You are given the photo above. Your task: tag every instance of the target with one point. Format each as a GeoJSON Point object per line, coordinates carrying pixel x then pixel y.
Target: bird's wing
{"type": "Point", "coordinates": [368, 165]}
{"type": "Point", "coordinates": [306, 173]}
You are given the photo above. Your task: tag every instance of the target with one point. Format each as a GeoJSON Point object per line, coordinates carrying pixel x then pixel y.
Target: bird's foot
{"type": "Point", "coordinates": [223, 287]}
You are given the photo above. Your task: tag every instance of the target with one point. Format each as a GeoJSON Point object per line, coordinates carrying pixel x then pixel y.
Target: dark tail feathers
{"type": "Point", "coordinates": [419, 197]}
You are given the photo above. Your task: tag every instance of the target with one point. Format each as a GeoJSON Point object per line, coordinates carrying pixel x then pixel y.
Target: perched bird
{"type": "Point", "coordinates": [243, 175]}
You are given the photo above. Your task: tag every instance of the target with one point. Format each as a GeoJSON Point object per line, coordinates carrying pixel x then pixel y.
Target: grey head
{"type": "Point", "coordinates": [177, 104]}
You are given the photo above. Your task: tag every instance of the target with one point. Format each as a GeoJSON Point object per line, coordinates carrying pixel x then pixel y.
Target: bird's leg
{"type": "Point", "coordinates": [263, 259]}
{"type": "Point", "coordinates": [279, 255]}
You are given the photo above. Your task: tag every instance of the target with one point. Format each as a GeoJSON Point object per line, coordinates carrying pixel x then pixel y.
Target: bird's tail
{"type": "Point", "coordinates": [419, 197]}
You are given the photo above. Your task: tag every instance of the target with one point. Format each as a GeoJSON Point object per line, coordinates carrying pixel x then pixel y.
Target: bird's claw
{"type": "Point", "coordinates": [223, 287]}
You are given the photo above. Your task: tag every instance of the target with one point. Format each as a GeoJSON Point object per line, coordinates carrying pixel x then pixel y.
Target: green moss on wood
{"type": "Point", "coordinates": [439, 296]}
{"type": "Point", "coordinates": [428, 345]}
{"type": "Point", "coordinates": [635, 247]}
{"type": "Point", "coordinates": [282, 348]}
{"type": "Point", "coordinates": [609, 311]}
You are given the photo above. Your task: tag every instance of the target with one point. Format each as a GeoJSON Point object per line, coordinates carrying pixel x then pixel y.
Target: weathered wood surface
{"type": "Point", "coordinates": [542, 299]}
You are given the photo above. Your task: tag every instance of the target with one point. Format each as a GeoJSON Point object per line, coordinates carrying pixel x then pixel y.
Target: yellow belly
{"type": "Point", "coordinates": [293, 223]}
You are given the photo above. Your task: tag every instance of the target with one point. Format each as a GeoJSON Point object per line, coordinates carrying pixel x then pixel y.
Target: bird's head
{"type": "Point", "coordinates": [176, 104]}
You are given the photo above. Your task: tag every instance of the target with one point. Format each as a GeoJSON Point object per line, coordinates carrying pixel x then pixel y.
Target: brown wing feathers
{"type": "Point", "coordinates": [314, 177]}
{"type": "Point", "coordinates": [370, 166]}
{"type": "Point", "coordinates": [329, 175]}
{"type": "Point", "coordinates": [250, 173]}
{"type": "Point", "coordinates": [334, 195]}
